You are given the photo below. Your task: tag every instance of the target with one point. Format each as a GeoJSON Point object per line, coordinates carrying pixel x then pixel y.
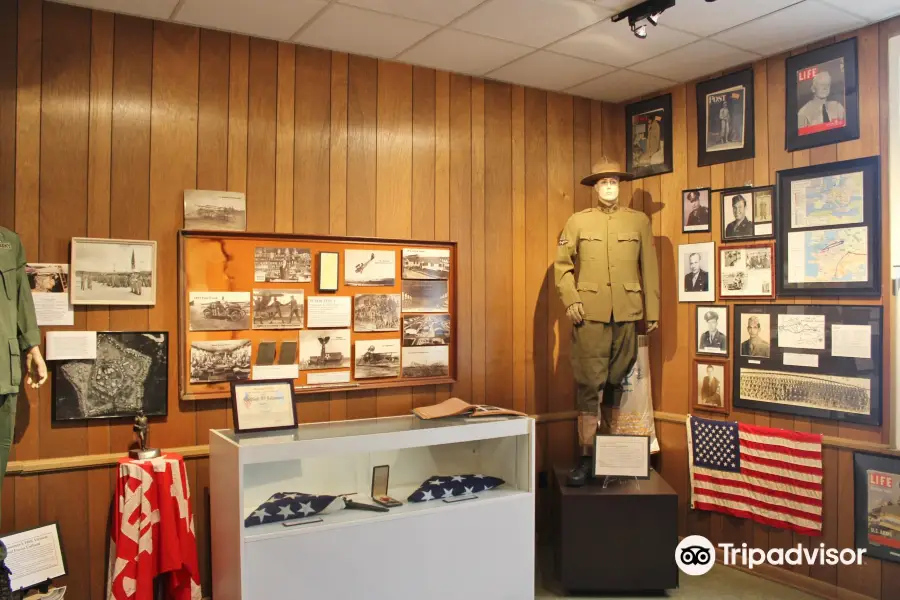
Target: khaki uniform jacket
{"type": "Point", "coordinates": [602, 260]}
{"type": "Point", "coordinates": [18, 325]}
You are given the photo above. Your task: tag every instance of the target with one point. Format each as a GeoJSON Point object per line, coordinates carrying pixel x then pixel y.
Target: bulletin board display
{"type": "Point", "coordinates": [333, 313]}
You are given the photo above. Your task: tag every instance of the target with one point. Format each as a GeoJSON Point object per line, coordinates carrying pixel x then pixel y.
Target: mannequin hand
{"type": "Point", "coordinates": [36, 368]}
{"type": "Point", "coordinates": [652, 326]}
{"type": "Point", "coordinates": [576, 313]}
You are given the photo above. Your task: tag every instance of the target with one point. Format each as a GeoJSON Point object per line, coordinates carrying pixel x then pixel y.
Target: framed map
{"type": "Point", "coordinates": [829, 229]}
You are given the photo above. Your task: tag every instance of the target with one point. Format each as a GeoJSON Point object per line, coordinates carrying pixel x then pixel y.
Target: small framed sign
{"type": "Point", "coordinates": [622, 456]}
{"type": "Point", "coordinates": [263, 405]}
{"type": "Point", "coordinates": [34, 556]}
{"type": "Point", "coordinates": [329, 263]}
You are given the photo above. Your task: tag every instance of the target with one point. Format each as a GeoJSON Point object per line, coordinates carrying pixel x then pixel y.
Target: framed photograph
{"type": "Point", "coordinates": [822, 102]}
{"type": "Point", "coordinates": [425, 296]}
{"type": "Point", "coordinates": [219, 311]}
{"type": "Point", "coordinates": [725, 124]}
{"type": "Point", "coordinates": [263, 405]}
{"type": "Point", "coordinates": [876, 506]}
{"type": "Point", "coordinates": [49, 285]}
{"type": "Point", "coordinates": [113, 272]}
{"type": "Point", "coordinates": [829, 229]}
{"type": "Point", "coordinates": [210, 210]}
{"type": "Point", "coordinates": [282, 265]}
{"type": "Point", "coordinates": [130, 373]}
{"type": "Point", "coordinates": [325, 349]}
{"type": "Point", "coordinates": [426, 361]}
{"type": "Point", "coordinates": [367, 268]}
{"type": "Point", "coordinates": [695, 211]}
{"type": "Point", "coordinates": [376, 312]}
{"type": "Point", "coordinates": [747, 271]}
{"type": "Point", "coordinates": [278, 309]}
{"type": "Point", "coordinates": [695, 263]}
{"type": "Point", "coordinates": [648, 137]}
{"type": "Point", "coordinates": [712, 330]}
{"type": "Point", "coordinates": [377, 358]}
{"type": "Point", "coordinates": [622, 456]}
{"type": "Point", "coordinates": [224, 360]}
{"type": "Point", "coordinates": [426, 263]}
{"type": "Point", "coordinates": [747, 214]}
{"type": "Point", "coordinates": [821, 361]}
{"type": "Point", "coordinates": [329, 268]}
{"type": "Point", "coordinates": [710, 387]}
{"type": "Point", "coordinates": [426, 330]}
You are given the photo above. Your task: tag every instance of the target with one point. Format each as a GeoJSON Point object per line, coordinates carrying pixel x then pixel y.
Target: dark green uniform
{"type": "Point", "coordinates": [606, 260]}
{"type": "Point", "coordinates": [18, 334]}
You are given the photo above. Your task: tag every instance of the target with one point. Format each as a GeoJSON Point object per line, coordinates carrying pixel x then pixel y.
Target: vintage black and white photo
{"type": "Point", "coordinates": [227, 360]}
{"type": "Point", "coordinates": [814, 390]}
{"type": "Point", "coordinates": [697, 267]}
{"type": "Point", "coordinates": [725, 124]}
{"type": "Point", "coordinates": [426, 263]}
{"type": "Point", "coordinates": [278, 309]}
{"type": "Point", "coordinates": [737, 214]}
{"type": "Point", "coordinates": [431, 361]}
{"type": "Point", "coordinates": [695, 210]}
{"type": "Point", "coordinates": [426, 330]}
{"type": "Point", "coordinates": [755, 334]}
{"type": "Point", "coordinates": [219, 311]}
{"type": "Point", "coordinates": [212, 210]}
{"type": "Point", "coordinates": [762, 209]}
{"type": "Point", "coordinates": [822, 96]}
{"type": "Point", "coordinates": [712, 330]}
{"type": "Point", "coordinates": [648, 137]}
{"type": "Point", "coordinates": [426, 296]}
{"type": "Point", "coordinates": [49, 285]}
{"type": "Point", "coordinates": [282, 265]}
{"type": "Point", "coordinates": [376, 312]}
{"type": "Point", "coordinates": [370, 267]}
{"type": "Point", "coordinates": [747, 271]}
{"type": "Point", "coordinates": [710, 386]}
{"type": "Point", "coordinates": [325, 349]}
{"type": "Point", "coordinates": [129, 374]}
{"type": "Point", "coordinates": [113, 272]}
{"type": "Point", "coordinates": [377, 358]}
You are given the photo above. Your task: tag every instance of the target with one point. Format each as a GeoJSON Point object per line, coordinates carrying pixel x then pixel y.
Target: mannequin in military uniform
{"type": "Point", "coordinates": [605, 271]}
{"type": "Point", "coordinates": [19, 335]}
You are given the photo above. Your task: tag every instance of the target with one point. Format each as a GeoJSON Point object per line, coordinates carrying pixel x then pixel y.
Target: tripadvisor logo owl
{"type": "Point", "coordinates": [695, 555]}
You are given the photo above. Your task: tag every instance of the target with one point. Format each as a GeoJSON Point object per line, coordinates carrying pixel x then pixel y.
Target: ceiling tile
{"type": "Point", "coordinates": [874, 10]}
{"type": "Point", "coordinates": [273, 19]}
{"type": "Point", "coordinates": [705, 18]}
{"type": "Point", "coordinates": [789, 28]}
{"type": "Point", "coordinates": [534, 23]}
{"type": "Point", "coordinates": [439, 12]}
{"type": "Point", "coordinates": [364, 32]}
{"type": "Point", "coordinates": [153, 9]}
{"type": "Point", "coordinates": [549, 71]}
{"type": "Point", "coordinates": [695, 60]}
{"type": "Point", "coordinates": [462, 52]}
{"type": "Point", "coordinates": [615, 44]}
{"type": "Point", "coordinates": [620, 86]}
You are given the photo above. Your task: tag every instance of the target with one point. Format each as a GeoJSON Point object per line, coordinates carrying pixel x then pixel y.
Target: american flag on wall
{"type": "Point", "coordinates": [769, 475]}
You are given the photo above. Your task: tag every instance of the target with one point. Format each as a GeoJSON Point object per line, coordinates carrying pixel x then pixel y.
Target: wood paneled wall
{"type": "Point", "coordinates": [105, 120]}
{"type": "Point", "coordinates": [672, 349]}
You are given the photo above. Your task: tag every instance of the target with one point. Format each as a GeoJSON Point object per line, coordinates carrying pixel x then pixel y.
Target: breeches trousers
{"type": "Point", "coordinates": [602, 353]}
{"type": "Point", "coordinates": [7, 430]}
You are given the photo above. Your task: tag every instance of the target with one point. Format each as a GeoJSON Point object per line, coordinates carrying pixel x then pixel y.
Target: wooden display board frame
{"type": "Point", "coordinates": [198, 253]}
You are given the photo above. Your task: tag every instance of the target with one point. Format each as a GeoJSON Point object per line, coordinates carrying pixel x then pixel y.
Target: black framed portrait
{"type": "Point", "coordinates": [821, 361]}
{"type": "Point", "coordinates": [695, 211]}
{"type": "Point", "coordinates": [712, 330]}
{"type": "Point", "coordinates": [822, 96]}
{"type": "Point", "coordinates": [876, 510]}
{"type": "Point", "coordinates": [747, 213]}
{"type": "Point", "coordinates": [829, 229]}
{"type": "Point", "coordinates": [648, 137]}
{"type": "Point", "coordinates": [725, 127]}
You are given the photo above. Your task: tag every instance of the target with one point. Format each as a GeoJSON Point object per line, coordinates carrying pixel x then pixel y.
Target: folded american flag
{"type": "Point", "coordinates": [769, 475]}
{"type": "Point", "coordinates": [287, 506]}
{"type": "Point", "coordinates": [439, 486]}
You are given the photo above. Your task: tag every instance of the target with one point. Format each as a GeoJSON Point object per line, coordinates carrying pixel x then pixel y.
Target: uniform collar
{"type": "Point", "coordinates": [607, 210]}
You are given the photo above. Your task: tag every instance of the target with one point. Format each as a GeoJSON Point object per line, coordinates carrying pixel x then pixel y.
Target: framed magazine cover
{"type": "Point", "coordinates": [725, 126]}
{"type": "Point", "coordinates": [648, 137]}
{"type": "Point", "coordinates": [876, 506]}
{"type": "Point", "coordinates": [822, 96]}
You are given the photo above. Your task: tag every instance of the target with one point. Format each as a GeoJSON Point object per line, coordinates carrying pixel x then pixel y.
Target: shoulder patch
{"type": "Point", "coordinates": [563, 241]}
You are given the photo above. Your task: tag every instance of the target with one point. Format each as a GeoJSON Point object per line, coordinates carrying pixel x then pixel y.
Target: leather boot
{"type": "Point", "coordinates": [587, 429]}
{"type": "Point", "coordinates": [578, 476]}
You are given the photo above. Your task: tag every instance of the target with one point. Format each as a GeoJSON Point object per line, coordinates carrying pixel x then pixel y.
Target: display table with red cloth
{"type": "Point", "coordinates": [152, 533]}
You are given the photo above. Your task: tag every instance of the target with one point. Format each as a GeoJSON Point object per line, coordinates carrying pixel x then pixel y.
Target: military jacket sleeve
{"type": "Point", "coordinates": [649, 272]}
{"type": "Point", "coordinates": [564, 265]}
{"type": "Point", "coordinates": [29, 335]}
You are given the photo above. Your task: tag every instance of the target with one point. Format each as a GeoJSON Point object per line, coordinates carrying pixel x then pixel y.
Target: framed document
{"type": "Point", "coordinates": [747, 271]}
{"type": "Point", "coordinates": [622, 456]}
{"type": "Point", "coordinates": [829, 229]}
{"type": "Point", "coordinates": [263, 405]}
{"type": "Point", "coordinates": [34, 556]}
{"type": "Point", "coordinates": [328, 271]}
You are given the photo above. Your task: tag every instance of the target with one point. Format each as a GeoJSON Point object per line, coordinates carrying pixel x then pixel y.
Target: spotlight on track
{"type": "Point", "coordinates": [645, 12]}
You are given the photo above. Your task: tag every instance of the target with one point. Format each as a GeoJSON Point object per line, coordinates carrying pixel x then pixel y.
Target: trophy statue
{"type": "Point", "coordinates": [142, 427]}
